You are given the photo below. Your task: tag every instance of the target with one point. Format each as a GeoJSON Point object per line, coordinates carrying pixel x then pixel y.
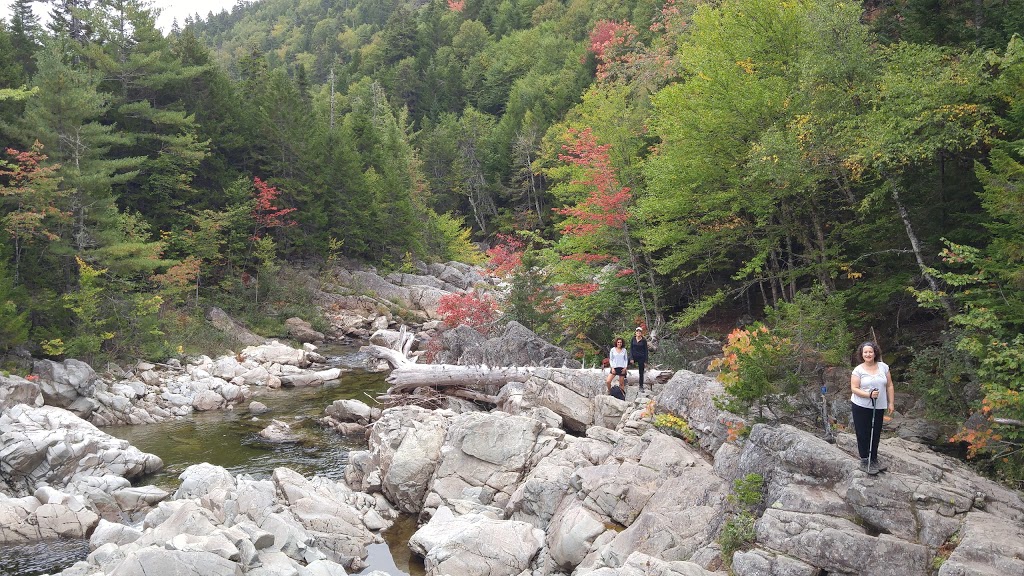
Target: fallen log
{"type": "Point", "coordinates": [408, 377]}
{"type": "Point", "coordinates": [396, 358]}
{"type": "Point", "coordinates": [480, 382]}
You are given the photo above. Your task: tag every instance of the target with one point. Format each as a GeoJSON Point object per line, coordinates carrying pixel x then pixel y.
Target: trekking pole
{"type": "Point", "coordinates": [871, 438]}
{"type": "Point", "coordinates": [829, 437]}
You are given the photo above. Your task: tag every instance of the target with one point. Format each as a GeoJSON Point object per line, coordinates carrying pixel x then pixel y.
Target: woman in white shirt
{"type": "Point", "coordinates": [618, 359]}
{"type": "Point", "coordinates": [871, 384]}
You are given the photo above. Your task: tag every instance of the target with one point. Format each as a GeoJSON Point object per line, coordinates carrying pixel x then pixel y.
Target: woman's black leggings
{"type": "Point", "coordinates": [862, 424]}
{"type": "Point", "coordinates": [640, 368]}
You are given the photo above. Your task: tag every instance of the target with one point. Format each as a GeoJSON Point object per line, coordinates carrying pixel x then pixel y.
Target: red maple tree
{"type": "Point", "coordinates": [265, 214]}
{"type": "Point", "coordinates": [506, 256]}
{"type": "Point", "coordinates": [478, 311]}
{"type": "Point", "coordinates": [607, 200]}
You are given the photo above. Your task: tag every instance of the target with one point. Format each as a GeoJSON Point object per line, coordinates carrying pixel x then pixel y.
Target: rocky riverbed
{"type": "Point", "coordinates": [511, 492]}
{"type": "Point", "coordinates": [557, 479]}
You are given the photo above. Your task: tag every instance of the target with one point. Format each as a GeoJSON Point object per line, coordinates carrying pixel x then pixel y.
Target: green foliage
{"type": "Point", "coordinates": [983, 290]}
{"type": "Point", "coordinates": [759, 369]}
{"type": "Point", "coordinates": [946, 377]}
{"type": "Point", "coordinates": [738, 532]}
{"type": "Point", "coordinates": [815, 322]}
{"type": "Point", "coordinates": [795, 158]}
{"type": "Point", "coordinates": [765, 365]}
{"type": "Point", "coordinates": [748, 490]}
{"type": "Point", "coordinates": [531, 299]}
{"type": "Point", "coordinates": [141, 331]}
{"type": "Point", "coordinates": [676, 426]}
{"type": "Point", "coordinates": [14, 323]}
{"type": "Point", "coordinates": [452, 240]}
{"type": "Point", "coordinates": [91, 323]}
{"type": "Point", "coordinates": [697, 310]}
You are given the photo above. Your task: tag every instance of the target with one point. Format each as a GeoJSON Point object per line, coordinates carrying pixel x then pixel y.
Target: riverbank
{"type": "Point", "coordinates": [510, 492]}
{"type": "Point", "coordinates": [543, 476]}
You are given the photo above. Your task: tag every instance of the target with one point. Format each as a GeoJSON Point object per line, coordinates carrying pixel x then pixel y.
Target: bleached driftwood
{"type": "Point", "coordinates": [473, 382]}
{"type": "Point", "coordinates": [411, 376]}
{"type": "Point", "coordinates": [396, 358]}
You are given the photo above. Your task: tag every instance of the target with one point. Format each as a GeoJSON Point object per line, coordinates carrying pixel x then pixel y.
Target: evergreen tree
{"type": "Point", "coordinates": [12, 76]}
{"type": "Point", "coordinates": [25, 35]}
{"type": "Point", "coordinates": [70, 18]}
{"type": "Point", "coordinates": [65, 116]}
{"type": "Point", "coordinates": [14, 322]}
{"type": "Point", "coordinates": [146, 81]}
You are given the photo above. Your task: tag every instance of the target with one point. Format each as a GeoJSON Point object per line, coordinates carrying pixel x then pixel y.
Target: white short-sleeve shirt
{"type": "Point", "coordinates": [868, 381]}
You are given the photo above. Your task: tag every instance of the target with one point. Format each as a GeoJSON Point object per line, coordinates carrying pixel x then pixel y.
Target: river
{"type": "Point", "coordinates": [230, 439]}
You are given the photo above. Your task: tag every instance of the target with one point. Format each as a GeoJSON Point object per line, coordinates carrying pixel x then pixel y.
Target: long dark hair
{"type": "Point", "coordinates": [873, 346]}
{"type": "Point", "coordinates": [617, 340]}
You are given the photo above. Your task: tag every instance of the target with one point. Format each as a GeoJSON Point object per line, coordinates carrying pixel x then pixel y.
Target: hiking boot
{"type": "Point", "coordinates": [878, 465]}
{"type": "Point", "coordinates": [872, 468]}
{"type": "Point", "coordinates": [864, 464]}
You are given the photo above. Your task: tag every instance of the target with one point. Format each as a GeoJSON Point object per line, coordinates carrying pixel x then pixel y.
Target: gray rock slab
{"type": "Point", "coordinates": [476, 544]}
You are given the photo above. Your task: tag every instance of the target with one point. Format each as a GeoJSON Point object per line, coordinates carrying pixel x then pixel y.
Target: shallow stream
{"type": "Point", "coordinates": [230, 439]}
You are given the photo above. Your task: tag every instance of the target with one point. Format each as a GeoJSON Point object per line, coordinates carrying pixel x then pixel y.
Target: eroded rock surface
{"type": "Point", "coordinates": [51, 446]}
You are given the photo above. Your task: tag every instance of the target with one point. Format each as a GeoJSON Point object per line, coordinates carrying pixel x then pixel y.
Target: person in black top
{"type": "Point", "coordinates": [638, 352]}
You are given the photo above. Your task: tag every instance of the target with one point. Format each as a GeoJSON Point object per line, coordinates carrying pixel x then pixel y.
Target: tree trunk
{"type": "Point", "coordinates": [408, 377]}
{"type": "Point", "coordinates": [915, 244]}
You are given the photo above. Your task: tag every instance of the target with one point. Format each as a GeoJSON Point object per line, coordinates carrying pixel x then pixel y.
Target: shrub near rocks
{"type": "Point", "coordinates": [738, 532]}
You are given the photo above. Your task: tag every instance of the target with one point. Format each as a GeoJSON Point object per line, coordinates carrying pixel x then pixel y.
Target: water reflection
{"type": "Point", "coordinates": [394, 555]}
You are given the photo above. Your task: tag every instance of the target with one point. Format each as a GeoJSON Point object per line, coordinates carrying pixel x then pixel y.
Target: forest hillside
{"type": "Point", "coordinates": [810, 173]}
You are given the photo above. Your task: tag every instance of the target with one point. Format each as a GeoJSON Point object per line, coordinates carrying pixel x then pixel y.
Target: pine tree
{"type": "Point", "coordinates": [146, 81]}
{"type": "Point", "coordinates": [25, 33]}
{"type": "Point", "coordinates": [70, 18]}
{"type": "Point", "coordinates": [66, 118]}
{"type": "Point", "coordinates": [14, 322]}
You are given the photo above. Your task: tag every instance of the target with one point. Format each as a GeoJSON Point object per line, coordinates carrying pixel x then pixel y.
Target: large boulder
{"type": "Point", "coordinates": [486, 456]}
{"type": "Point", "coordinates": [517, 345]}
{"type": "Point", "coordinates": [405, 449]}
{"type": "Point", "coordinates": [823, 511]}
{"type": "Point", "coordinates": [279, 432]}
{"type": "Point", "coordinates": [199, 480]}
{"type": "Point", "coordinates": [303, 331]}
{"type": "Point", "coordinates": [461, 345]}
{"type": "Point", "coordinates": [49, 515]}
{"type": "Point", "coordinates": [332, 514]}
{"type": "Point", "coordinates": [50, 445]}
{"type": "Point", "coordinates": [988, 544]}
{"type": "Point", "coordinates": [640, 564]}
{"type": "Point", "coordinates": [458, 275]}
{"type": "Point", "coordinates": [64, 383]}
{"type": "Point", "coordinates": [476, 544]}
{"type": "Point", "coordinates": [276, 353]}
{"type": "Point", "coordinates": [347, 410]}
{"type": "Point", "coordinates": [692, 397]}
{"type": "Point", "coordinates": [17, 390]}
{"type": "Point", "coordinates": [576, 411]}
{"type": "Point", "coordinates": [152, 561]}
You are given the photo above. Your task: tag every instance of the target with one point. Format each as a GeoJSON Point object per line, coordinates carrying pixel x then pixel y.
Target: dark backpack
{"type": "Point", "coordinates": [618, 393]}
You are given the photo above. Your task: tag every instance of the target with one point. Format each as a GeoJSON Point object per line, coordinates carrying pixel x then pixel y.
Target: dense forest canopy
{"type": "Point", "coordinates": [829, 170]}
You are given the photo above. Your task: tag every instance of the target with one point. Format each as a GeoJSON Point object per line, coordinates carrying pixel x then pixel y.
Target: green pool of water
{"type": "Point", "coordinates": [230, 438]}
